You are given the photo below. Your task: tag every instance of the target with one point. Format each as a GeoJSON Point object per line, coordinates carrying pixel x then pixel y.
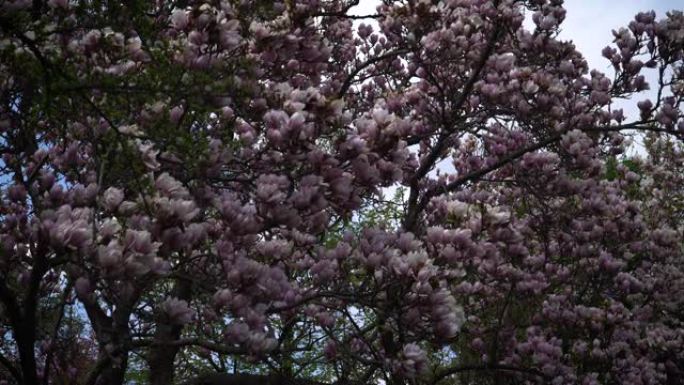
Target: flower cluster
{"type": "Point", "coordinates": [197, 180]}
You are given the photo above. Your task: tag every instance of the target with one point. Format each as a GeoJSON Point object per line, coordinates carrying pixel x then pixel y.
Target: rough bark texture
{"type": "Point", "coordinates": [162, 357]}
{"type": "Point", "coordinates": [249, 379]}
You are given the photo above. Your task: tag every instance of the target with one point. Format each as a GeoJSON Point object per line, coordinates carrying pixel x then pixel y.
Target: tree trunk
{"type": "Point", "coordinates": [250, 379]}
{"type": "Point", "coordinates": [116, 359]}
{"type": "Point", "coordinates": [25, 339]}
{"type": "Point", "coordinates": [162, 357]}
{"type": "Point", "coordinates": [114, 371]}
{"type": "Point", "coordinates": [113, 336]}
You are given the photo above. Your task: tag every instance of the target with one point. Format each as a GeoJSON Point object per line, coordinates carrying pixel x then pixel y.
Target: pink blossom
{"type": "Point", "coordinates": [179, 19]}
{"type": "Point", "coordinates": [178, 311]}
{"type": "Point", "coordinates": [112, 198]}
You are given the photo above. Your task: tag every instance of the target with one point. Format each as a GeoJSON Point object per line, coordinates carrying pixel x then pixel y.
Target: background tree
{"type": "Point", "coordinates": [199, 186]}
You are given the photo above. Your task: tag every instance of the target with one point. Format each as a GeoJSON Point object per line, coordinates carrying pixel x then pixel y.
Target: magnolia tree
{"type": "Point", "coordinates": [280, 193]}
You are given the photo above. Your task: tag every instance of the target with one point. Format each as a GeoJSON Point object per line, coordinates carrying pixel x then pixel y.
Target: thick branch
{"type": "Point", "coordinates": [412, 216]}
{"type": "Point", "coordinates": [162, 357]}
{"type": "Point", "coordinates": [470, 368]}
{"type": "Point", "coordinates": [94, 373]}
{"type": "Point", "coordinates": [8, 299]}
{"type": "Point", "coordinates": [23, 333]}
{"type": "Point", "coordinates": [256, 379]}
{"type": "Point", "coordinates": [350, 78]}
{"type": "Point", "coordinates": [432, 157]}
{"type": "Point", "coordinates": [55, 332]}
{"type": "Point", "coordinates": [4, 361]}
{"type": "Point", "coordinates": [414, 204]}
{"type": "Point", "coordinates": [218, 348]}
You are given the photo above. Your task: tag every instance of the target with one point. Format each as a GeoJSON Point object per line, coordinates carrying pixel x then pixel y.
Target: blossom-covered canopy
{"type": "Point", "coordinates": [290, 192]}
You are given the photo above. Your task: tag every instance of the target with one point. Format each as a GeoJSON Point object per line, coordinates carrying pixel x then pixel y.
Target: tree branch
{"type": "Point", "coordinates": [257, 379]}
{"type": "Point", "coordinates": [414, 204]}
{"type": "Point", "coordinates": [4, 361]}
{"type": "Point", "coordinates": [55, 331]}
{"type": "Point", "coordinates": [494, 367]}
{"type": "Point", "coordinates": [350, 78]}
{"type": "Point", "coordinates": [450, 187]}
{"type": "Point", "coordinates": [218, 348]}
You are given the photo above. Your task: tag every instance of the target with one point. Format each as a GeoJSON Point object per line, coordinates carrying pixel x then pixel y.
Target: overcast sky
{"type": "Point", "coordinates": [588, 24]}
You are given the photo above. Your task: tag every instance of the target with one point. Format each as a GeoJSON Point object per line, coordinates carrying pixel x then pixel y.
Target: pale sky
{"type": "Point", "coordinates": [588, 24]}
